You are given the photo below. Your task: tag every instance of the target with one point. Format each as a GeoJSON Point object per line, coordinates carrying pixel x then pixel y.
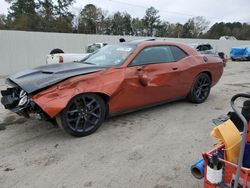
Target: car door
{"type": "Point", "coordinates": [152, 76]}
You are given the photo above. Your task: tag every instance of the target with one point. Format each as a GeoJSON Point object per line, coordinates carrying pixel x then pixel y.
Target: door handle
{"type": "Point", "coordinates": [175, 68]}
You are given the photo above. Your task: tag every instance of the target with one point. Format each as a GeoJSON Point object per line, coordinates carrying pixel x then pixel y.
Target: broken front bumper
{"type": "Point", "coordinates": [19, 102]}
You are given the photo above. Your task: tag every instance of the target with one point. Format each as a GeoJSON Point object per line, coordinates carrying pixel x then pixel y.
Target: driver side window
{"type": "Point", "coordinates": [152, 55]}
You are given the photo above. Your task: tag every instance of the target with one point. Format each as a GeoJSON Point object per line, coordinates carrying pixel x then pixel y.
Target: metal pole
{"type": "Point", "coordinates": [242, 146]}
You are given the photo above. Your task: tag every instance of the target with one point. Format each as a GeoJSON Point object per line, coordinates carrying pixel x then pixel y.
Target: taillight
{"type": "Point", "coordinates": [60, 59]}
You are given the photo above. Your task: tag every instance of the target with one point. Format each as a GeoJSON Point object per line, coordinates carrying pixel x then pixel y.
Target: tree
{"type": "Point", "coordinates": [178, 30]}
{"type": "Point", "coordinates": [162, 29]}
{"type": "Point", "coordinates": [216, 31]}
{"type": "Point", "coordinates": [186, 30]}
{"type": "Point", "coordinates": [167, 29]}
{"type": "Point", "coordinates": [2, 21]}
{"type": "Point", "coordinates": [127, 24]}
{"type": "Point", "coordinates": [22, 15]}
{"type": "Point", "coordinates": [40, 15]}
{"type": "Point", "coordinates": [121, 24]}
{"type": "Point", "coordinates": [117, 24]}
{"type": "Point", "coordinates": [89, 18]}
{"type": "Point", "coordinates": [151, 20]}
{"type": "Point", "coordinates": [47, 15]}
{"type": "Point", "coordinates": [195, 27]}
{"type": "Point", "coordinates": [102, 21]}
{"type": "Point", "coordinates": [200, 25]}
{"type": "Point", "coordinates": [62, 7]}
{"type": "Point", "coordinates": [106, 26]}
{"type": "Point", "coordinates": [245, 32]}
{"type": "Point", "coordinates": [138, 27]}
{"type": "Point", "coordinates": [55, 15]}
{"type": "Point", "coordinates": [239, 30]}
{"type": "Point", "coordinates": [63, 23]}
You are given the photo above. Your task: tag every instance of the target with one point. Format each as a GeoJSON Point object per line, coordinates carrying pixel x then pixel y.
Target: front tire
{"type": "Point", "coordinates": [200, 89]}
{"type": "Point", "coordinates": [83, 115]}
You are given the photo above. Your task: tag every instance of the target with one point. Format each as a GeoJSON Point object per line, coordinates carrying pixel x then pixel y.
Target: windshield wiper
{"type": "Point", "coordinates": [85, 62]}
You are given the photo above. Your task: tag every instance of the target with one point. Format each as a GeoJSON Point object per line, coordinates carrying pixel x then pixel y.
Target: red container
{"type": "Point", "coordinates": [228, 171]}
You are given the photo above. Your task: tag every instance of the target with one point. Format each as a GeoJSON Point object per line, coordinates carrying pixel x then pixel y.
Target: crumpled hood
{"type": "Point", "coordinates": [40, 77]}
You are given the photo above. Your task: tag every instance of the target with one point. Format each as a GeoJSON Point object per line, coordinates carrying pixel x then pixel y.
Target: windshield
{"type": "Point", "coordinates": [92, 48]}
{"type": "Point", "coordinates": [110, 55]}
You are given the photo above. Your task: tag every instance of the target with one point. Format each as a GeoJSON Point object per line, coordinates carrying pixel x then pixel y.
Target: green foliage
{"type": "Point", "coordinates": [127, 24]}
{"type": "Point", "coordinates": [163, 29]}
{"type": "Point", "coordinates": [121, 24]}
{"type": "Point", "coordinates": [47, 15]}
{"type": "Point", "coordinates": [116, 24]}
{"type": "Point", "coordinates": [22, 15]}
{"type": "Point", "coordinates": [90, 19]}
{"type": "Point", "coordinates": [41, 15]}
{"type": "Point", "coordinates": [55, 16]}
{"type": "Point", "coordinates": [138, 27]}
{"type": "Point", "coordinates": [2, 21]}
{"type": "Point", "coordinates": [236, 29]}
{"type": "Point", "coordinates": [151, 20]}
{"type": "Point", "coordinates": [195, 27]}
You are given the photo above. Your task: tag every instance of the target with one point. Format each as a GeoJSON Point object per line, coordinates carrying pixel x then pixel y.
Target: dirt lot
{"type": "Point", "coordinates": [153, 148]}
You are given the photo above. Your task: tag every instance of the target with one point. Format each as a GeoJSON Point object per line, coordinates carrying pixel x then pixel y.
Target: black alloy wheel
{"type": "Point", "coordinates": [83, 115]}
{"type": "Point", "coordinates": [200, 89]}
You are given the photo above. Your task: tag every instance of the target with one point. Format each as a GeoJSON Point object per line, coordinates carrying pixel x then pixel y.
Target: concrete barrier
{"type": "Point", "coordinates": [20, 49]}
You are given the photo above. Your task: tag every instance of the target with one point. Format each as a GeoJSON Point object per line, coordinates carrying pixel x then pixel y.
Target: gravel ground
{"type": "Point", "coordinates": [153, 148]}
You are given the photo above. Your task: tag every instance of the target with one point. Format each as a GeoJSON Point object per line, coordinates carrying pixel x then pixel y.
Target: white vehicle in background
{"type": "Point", "coordinates": [58, 55]}
{"type": "Point", "coordinates": [95, 46]}
{"type": "Point", "coordinates": [64, 58]}
{"type": "Point", "coordinates": [227, 38]}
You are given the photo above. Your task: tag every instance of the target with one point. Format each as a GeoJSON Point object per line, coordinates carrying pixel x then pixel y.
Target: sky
{"type": "Point", "coordinates": [170, 10]}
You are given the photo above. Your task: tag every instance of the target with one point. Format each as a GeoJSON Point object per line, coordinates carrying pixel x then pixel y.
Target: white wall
{"type": "Point", "coordinates": [20, 49]}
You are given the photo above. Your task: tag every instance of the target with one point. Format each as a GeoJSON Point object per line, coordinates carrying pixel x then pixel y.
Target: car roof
{"type": "Point", "coordinates": [138, 41]}
{"type": "Point", "coordinates": [144, 43]}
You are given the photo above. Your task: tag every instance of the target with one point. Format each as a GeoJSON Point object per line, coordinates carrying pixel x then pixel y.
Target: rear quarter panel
{"type": "Point", "coordinates": [193, 65]}
{"type": "Point", "coordinates": [215, 67]}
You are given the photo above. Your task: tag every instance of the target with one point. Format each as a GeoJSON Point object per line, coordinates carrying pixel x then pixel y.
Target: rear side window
{"type": "Point", "coordinates": [154, 54]}
{"type": "Point", "coordinates": [178, 53]}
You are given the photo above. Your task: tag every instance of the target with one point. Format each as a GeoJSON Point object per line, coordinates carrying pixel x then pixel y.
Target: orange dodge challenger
{"type": "Point", "coordinates": [117, 78]}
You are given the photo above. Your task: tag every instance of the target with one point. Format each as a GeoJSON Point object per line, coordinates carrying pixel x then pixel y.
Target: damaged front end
{"type": "Point", "coordinates": [20, 102]}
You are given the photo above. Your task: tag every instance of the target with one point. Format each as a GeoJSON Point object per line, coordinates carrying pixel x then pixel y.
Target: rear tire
{"type": "Point", "coordinates": [56, 51]}
{"type": "Point", "coordinates": [83, 115]}
{"type": "Point", "coordinates": [200, 89]}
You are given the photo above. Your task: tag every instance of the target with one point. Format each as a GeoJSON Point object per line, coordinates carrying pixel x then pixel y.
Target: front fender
{"type": "Point", "coordinates": [55, 98]}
